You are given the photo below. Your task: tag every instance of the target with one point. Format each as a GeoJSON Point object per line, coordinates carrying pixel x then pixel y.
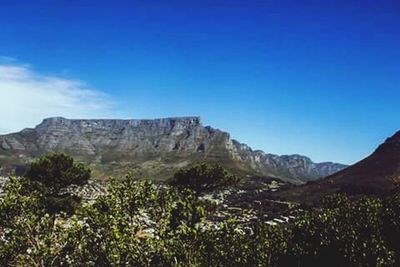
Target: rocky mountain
{"type": "Point", "coordinates": [377, 175]}
{"type": "Point", "coordinates": [155, 147]}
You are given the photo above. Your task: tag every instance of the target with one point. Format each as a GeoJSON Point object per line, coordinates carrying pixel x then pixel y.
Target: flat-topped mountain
{"type": "Point", "coordinates": [157, 147]}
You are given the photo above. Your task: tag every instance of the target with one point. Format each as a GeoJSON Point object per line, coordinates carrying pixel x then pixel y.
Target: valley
{"type": "Point", "coordinates": [158, 185]}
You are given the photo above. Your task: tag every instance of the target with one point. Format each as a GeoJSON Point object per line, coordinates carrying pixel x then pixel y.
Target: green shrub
{"type": "Point", "coordinates": [139, 223]}
{"type": "Point", "coordinates": [204, 177]}
{"type": "Point", "coordinates": [57, 171]}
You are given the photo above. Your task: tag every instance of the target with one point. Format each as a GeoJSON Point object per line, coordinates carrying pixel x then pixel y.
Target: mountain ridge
{"type": "Point", "coordinates": [377, 174]}
{"type": "Point", "coordinates": [157, 146]}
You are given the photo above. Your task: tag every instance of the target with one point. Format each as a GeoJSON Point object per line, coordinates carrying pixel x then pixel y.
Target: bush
{"type": "Point", "coordinates": [139, 223]}
{"type": "Point", "coordinates": [57, 171]}
{"type": "Point", "coordinates": [52, 174]}
{"type": "Point", "coordinates": [204, 177]}
{"type": "Point", "coordinates": [344, 233]}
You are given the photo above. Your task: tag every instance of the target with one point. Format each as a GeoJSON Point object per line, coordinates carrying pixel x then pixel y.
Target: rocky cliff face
{"type": "Point", "coordinates": [156, 147]}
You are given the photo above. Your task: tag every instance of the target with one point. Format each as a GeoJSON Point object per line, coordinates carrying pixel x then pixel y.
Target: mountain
{"type": "Point", "coordinates": [157, 147]}
{"type": "Point", "coordinates": [377, 175]}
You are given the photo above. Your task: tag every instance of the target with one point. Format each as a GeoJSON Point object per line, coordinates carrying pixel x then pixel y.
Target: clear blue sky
{"type": "Point", "coordinates": [319, 78]}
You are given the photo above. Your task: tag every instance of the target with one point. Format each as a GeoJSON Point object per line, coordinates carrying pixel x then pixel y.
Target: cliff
{"type": "Point", "coordinates": [155, 147]}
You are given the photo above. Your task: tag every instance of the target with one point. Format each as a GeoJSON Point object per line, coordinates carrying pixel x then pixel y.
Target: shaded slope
{"type": "Point", "coordinates": [375, 174]}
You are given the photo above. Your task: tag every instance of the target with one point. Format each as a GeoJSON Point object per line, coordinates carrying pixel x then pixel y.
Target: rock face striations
{"type": "Point", "coordinates": [155, 147]}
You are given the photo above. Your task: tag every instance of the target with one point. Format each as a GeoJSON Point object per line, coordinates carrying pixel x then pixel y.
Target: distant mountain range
{"type": "Point", "coordinates": [156, 147]}
{"type": "Point", "coordinates": [375, 175]}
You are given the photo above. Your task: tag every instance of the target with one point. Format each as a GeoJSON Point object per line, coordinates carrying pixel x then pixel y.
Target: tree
{"type": "Point", "coordinates": [139, 223]}
{"type": "Point", "coordinates": [204, 177]}
{"type": "Point", "coordinates": [53, 173]}
{"type": "Point", "coordinates": [57, 171]}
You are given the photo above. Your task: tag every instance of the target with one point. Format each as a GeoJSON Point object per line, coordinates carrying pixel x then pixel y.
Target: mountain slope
{"type": "Point", "coordinates": [375, 174]}
{"type": "Point", "coordinates": [158, 147]}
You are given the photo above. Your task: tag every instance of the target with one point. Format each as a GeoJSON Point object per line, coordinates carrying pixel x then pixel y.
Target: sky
{"type": "Point", "coordinates": [318, 78]}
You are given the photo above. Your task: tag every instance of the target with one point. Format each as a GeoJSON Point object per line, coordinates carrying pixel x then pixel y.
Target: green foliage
{"type": "Point", "coordinates": [347, 233]}
{"type": "Point", "coordinates": [231, 245]}
{"type": "Point", "coordinates": [27, 233]}
{"type": "Point", "coordinates": [391, 222]}
{"type": "Point", "coordinates": [57, 171]}
{"type": "Point", "coordinates": [53, 173]}
{"type": "Point", "coordinates": [204, 177]}
{"type": "Point", "coordinates": [132, 224]}
{"type": "Point", "coordinates": [139, 223]}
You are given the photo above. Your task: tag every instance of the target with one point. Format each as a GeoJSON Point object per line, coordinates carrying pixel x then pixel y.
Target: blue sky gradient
{"type": "Point", "coordinates": [319, 78]}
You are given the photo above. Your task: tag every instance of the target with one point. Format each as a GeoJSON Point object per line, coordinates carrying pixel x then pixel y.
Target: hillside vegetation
{"type": "Point", "coordinates": [139, 223]}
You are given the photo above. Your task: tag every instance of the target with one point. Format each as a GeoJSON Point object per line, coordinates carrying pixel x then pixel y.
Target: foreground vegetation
{"type": "Point", "coordinates": [138, 223]}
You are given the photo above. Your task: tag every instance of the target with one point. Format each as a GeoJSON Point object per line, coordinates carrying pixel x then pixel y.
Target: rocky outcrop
{"type": "Point", "coordinates": [154, 147]}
